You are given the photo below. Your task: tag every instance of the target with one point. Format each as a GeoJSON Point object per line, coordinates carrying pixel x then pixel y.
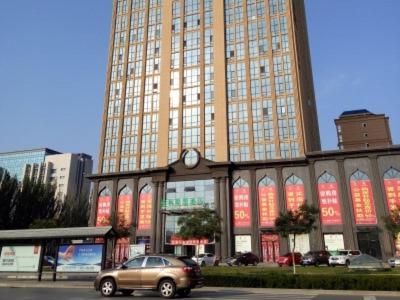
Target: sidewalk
{"type": "Point", "coordinates": [65, 284]}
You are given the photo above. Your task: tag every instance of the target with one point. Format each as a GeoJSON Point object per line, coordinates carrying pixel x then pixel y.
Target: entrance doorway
{"type": "Point", "coordinates": [368, 243]}
{"type": "Point", "coordinates": [270, 247]}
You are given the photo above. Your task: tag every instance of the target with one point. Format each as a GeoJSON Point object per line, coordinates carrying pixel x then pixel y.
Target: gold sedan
{"type": "Point", "coordinates": [167, 274]}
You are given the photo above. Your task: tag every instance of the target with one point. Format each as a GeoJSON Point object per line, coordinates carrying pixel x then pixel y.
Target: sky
{"type": "Point", "coordinates": [53, 57]}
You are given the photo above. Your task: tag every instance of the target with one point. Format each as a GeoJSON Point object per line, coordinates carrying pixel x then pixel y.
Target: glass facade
{"type": "Point", "coordinates": [14, 162]}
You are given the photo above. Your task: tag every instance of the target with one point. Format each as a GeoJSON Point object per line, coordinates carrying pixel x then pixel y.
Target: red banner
{"type": "Point", "coordinates": [392, 188]}
{"type": "Point", "coordinates": [270, 247]}
{"type": "Point", "coordinates": [177, 240]}
{"type": "Point", "coordinates": [268, 208]}
{"type": "Point", "coordinates": [103, 211]}
{"type": "Point", "coordinates": [125, 204]}
{"type": "Point", "coordinates": [241, 207]}
{"type": "Point", "coordinates": [121, 250]}
{"type": "Point", "coordinates": [294, 196]}
{"type": "Point", "coordinates": [145, 211]}
{"type": "Point", "coordinates": [329, 204]}
{"type": "Point", "coordinates": [363, 202]}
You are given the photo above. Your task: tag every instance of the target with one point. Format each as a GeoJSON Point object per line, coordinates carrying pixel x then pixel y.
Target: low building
{"type": "Point", "coordinates": [360, 129]}
{"type": "Point", "coordinates": [352, 188]}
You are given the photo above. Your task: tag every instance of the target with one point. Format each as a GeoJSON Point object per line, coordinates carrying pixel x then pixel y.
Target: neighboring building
{"type": "Point", "coordinates": [67, 171]}
{"type": "Point", "coordinates": [211, 104]}
{"type": "Point", "coordinates": [361, 129]}
{"type": "Point", "coordinates": [14, 162]}
{"type": "Point", "coordinates": [231, 79]}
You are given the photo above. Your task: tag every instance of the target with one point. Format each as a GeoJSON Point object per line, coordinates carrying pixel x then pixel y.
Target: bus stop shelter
{"type": "Point", "coordinates": [57, 238]}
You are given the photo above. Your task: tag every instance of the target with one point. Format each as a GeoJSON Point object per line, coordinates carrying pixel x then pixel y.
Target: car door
{"type": "Point", "coordinates": [154, 265]}
{"type": "Point", "coordinates": [130, 275]}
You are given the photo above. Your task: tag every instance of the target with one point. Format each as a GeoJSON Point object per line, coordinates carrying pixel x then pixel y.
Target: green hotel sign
{"type": "Point", "coordinates": [182, 203]}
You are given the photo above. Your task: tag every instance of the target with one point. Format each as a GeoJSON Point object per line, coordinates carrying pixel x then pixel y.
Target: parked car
{"type": "Point", "coordinates": [316, 258]}
{"type": "Point", "coordinates": [287, 259]}
{"type": "Point", "coordinates": [394, 262]}
{"type": "Point", "coordinates": [246, 259]}
{"type": "Point", "coordinates": [205, 259]}
{"type": "Point", "coordinates": [169, 275]}
{"type": "Point", "coordinates": [343, 257]}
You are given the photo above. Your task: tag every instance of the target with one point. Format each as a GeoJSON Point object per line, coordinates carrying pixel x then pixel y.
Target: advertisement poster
{"type": "Point", "coordinates": [125, 207]}
{"type": "Point", "coordinates": [294, 196]}
{"type": "Point", "coordinates": [392, 189]}
{"type": "Point", "coordinates": [333, 242]}
{"type": "Point", "coordinates": [302, 243]}
{"type": "Point", "coordinates": [243, 243]}
{"type": "Point", "coordinates": [176, 240]}
{"type": "Point", "coordinates": [268, 208]}
{"type": "Point", "coordinates": [103, 211]}
{"type": "Point", "coordinates": [329, 203]}
{"type": "Point", "coordinates": [137, 249]}
{"type": "Point", "coordinates": [19, 259]}
{"type": "Point", "coordinates": [145, 211]}
{"type": "Point", "coordinates": [241, 207]}
{"type": "Point", "coordinates": [79, 258]}
{"type": "Point", "coordinates": [363, 202]}
{"type": "Point", "coordinates": [397, 245]}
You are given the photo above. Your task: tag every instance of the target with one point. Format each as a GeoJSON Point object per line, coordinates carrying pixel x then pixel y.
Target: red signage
{"type": "Point", "coordinates": [145, 211]}
{"type": "Point", "coordinates": [270, 247]}
{"type": "Point", "coordinates": [241, 207]}
{"type": "Point", "coordinates": [294, 196]}
{"type": "Point", "coordinates": [268, 208]}
{"type": "Point", "coordinates": [103, 211]}
{"type": "Point", "coordinates": [177, 240]}
{"type": "Point", "coordinates": [392, 188]}
{"type": "Point", "coordinates": [125, 204]}
{"type": "Point", "coordinates": [329, 203]}
{"type": "Point", "coordinates": [363, 202]}
{"type": "Point", "coordinates": [121, 249]}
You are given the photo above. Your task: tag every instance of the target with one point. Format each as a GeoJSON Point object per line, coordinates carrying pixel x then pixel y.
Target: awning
{"type": "Point", "coordinates": [56, 233]}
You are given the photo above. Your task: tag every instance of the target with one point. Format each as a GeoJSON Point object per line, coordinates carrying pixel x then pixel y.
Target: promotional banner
{"type": "Point", "coordinates": [242, 243]}
{"type": "Point", "coordinates": [270, 247]}
{"type": "Point", "coordinates": [329, 204]}
{"type": "Point", "coordinates": [294, 196]}
{"type": "Point", "coordinates": [241, 207]}
{"type": "Point", "coordinates": [103, 211]}
{"type": "Point", "coordinates": [176, 240]}
{"type": "Point", "coordinates": [79, 258]}
{"type": "Point", "coordinates": [268, 208]}
{"type": "Point", "coordinates": [397, 245]}
{"type": "Point", "coordinates": [363, 202]}
{"type": "Point", "coordinates": [19, 259]}
{"type": "Point", "coordinates": [125, 206]}
{"type": "Point", "coordinates": [392, 188]}
{"type": "Point", "coordinates": [121, 251]}
{"type": "Point", "coordinates": [145, 211]}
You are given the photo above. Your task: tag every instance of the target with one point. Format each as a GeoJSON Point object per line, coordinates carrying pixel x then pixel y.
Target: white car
{"type": "Point", "coordinates": [343, 257]}
{"type": "Point", "coordinates": [394, 262]}
{"type": "Point", "coordinates": [205, 259]}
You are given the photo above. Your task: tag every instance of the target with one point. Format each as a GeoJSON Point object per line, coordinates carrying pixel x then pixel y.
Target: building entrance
{"type": "Point", "coordinates": [368, 243]}
{"type": "Point", "coordinates": [270, 247]}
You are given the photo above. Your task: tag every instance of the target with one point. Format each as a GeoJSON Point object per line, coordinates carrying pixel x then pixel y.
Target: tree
{"type": "Point", "coordinates": [200, 224]}
{"type": "Point", "coordinates": [392, 222]}
{"type": "Point", "coordinates": [74, 212]}
{"type": "Point", "coordinates": [296, 222]}
{"type": "Point", "coordinates": [8, 192]}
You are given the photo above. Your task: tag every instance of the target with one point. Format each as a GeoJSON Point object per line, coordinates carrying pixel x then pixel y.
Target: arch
{"type": "Point", "coordinates": [392, 173]}
{"type": "Point", "coordinates": [267, 202]}
{"type": "Point", "coordinates": [326, 177]}
{"type": "Point", "coordinates": [105, 192]}
{"type": "Point", "coordinates": [240, 183]}
{"type": "Point", "coordinates": [293, 180]}
{"type": "Point", "coordinates": [145, 208]}
{"type": "Point", "coordinates": [359, 175]}
{"type": "Point", "coordinates": [147, 189]}
{"type": "Point", "coordinates": [266, 181]}
{"type": "Point", "coordinates": [125, 191]}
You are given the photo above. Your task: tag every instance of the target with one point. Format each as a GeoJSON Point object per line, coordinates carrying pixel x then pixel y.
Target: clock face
{"type": "Point", "coordinates": [191, 158]}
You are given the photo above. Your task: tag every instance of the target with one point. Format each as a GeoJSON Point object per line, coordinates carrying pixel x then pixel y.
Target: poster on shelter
{"type": "Point", "coordinates": [329, 203]}
{"type": "Point", "coordinates": [268, 206]}
{"type": "Point", "coordinates": [19, 259]}
{"type": "Point", "coordinates": [241, 207]}
{"type": "Point", "coordinates": [80, 258]}
{"type": "Point", "coordinates": [363, 202]}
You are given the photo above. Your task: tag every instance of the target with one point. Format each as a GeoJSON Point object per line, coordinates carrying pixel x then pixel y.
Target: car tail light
{"type": "Point", "coordinates": [187, 269]}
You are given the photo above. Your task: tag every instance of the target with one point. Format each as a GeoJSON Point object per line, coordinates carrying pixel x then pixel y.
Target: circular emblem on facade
{"type": "Point", "coordinates": [191, 158]}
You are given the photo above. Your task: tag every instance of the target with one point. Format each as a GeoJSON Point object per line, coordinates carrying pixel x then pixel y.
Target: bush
{"type": "Point", "coordinates": [273, 279]}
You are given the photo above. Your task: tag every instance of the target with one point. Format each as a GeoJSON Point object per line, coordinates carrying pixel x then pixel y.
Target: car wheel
{"type": "Point", "coordinates": [107, 287]}
{"type": "Point", "coordinates": [184, 292]}
{"type": "Point", "coordinates": [167, 288]}
{"type": "Point", "coordinates": [127, 292]}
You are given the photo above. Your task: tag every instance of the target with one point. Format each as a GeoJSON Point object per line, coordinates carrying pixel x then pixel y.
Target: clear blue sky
{"type": "Point", "coordinates": [53, 56]}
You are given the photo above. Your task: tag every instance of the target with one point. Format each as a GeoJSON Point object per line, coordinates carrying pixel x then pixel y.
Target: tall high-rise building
{"type": "Point", "coordinates": [230, 78]}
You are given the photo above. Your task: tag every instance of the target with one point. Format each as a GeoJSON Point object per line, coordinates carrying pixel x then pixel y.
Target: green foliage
{"type": "Point", "coordinates": [74, 212]}
{"type": "Point", "coordinates": [8, 194]}
{"type": "Point", "coordinates": [392, 222]}
{"type": "Point", "coordinates": [198, 224]}
{"type": "Point", "coordinates": [43, 223]}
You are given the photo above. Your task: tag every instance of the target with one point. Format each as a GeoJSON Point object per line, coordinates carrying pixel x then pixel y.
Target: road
{"type": "Point", "coordinates": [205, 294]}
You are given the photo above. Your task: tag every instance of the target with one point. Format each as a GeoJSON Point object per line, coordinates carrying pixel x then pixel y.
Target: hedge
{"type": "Point", "coordinates": [305, 281]}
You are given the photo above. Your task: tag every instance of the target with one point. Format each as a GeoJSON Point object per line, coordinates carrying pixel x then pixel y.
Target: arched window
{"type": "Point", "coordinates": [103, 214]}
{"type": "Point", "coordinates": [241, 204]}
{"type": "Point", "coordinates": [363, 199]}
{"type": "Point", "coordinates": [124, 207]}
{"type": "Point", "coordinates": [267, 202]}
{"type": "Point", "coordinates": [294, 190]}
{"type": "Point", "coordinates": [145, 208]}
{"type": "Point", "coordinates": [328, 196]}
{"type": "Point", "coordinates": [391, 180]}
